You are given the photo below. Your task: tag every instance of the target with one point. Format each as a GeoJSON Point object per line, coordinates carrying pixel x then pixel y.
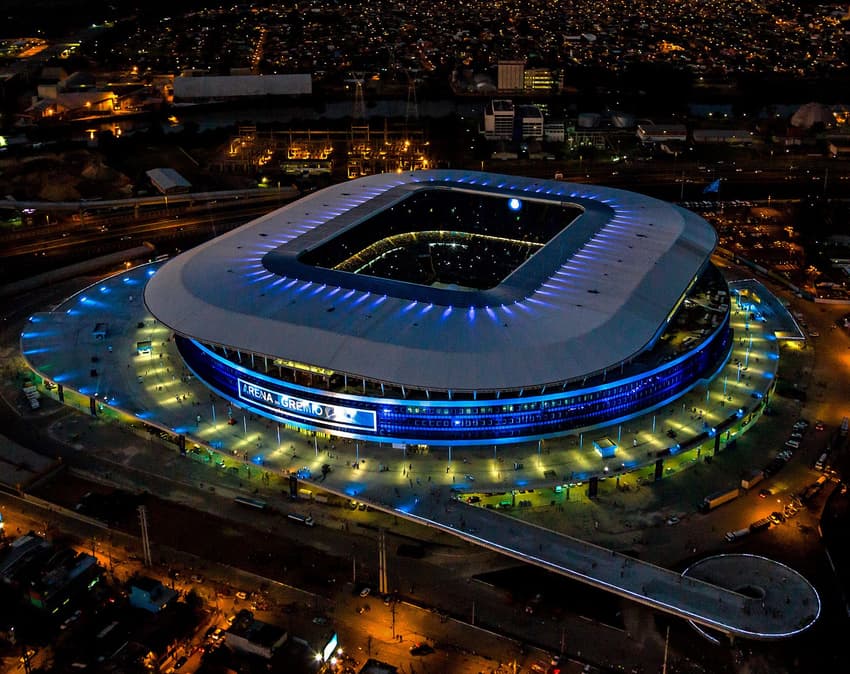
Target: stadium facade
{"type": "Point", "coordinates": [452, 308]}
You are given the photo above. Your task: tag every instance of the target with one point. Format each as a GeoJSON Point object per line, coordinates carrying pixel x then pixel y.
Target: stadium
{"type": "Point", "coordinates": [452, 308]}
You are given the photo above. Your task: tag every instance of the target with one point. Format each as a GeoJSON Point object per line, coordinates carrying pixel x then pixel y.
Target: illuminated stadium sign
{"type": "Point", "coordinates": [306, 410]}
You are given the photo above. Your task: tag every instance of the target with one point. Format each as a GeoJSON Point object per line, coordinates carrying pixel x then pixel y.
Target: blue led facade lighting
{"type": "Point", "coordinates": [464, 420]}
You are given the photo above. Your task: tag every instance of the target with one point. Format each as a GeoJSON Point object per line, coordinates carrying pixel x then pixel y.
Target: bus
{"type": "Point", "coordinates": [306, 520]}
{"type": "Point", "coordinates": [249, 502]}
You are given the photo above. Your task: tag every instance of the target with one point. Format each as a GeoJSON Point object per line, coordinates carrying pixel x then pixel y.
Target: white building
{"type": "Point", "coordinates": [232, 86]}
{"type": "Point", "coordinates": [168, 181]}
{"type": "Point", "coordinates": [658, 133]}
{"type": "Point", "coordinates": [530, 122]}
{"type": "Point", "coordinates": [724, 136]}
{"type": "Point", "coordinates": [553, 132]}
{"type": "Point", "coordinates": [499, 120]}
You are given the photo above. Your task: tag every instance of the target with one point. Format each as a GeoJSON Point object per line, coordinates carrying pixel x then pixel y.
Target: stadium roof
{"type": "Point", "coordinates": [597, 294]}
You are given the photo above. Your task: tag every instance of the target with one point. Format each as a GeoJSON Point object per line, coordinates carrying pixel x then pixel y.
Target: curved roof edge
{"type": "Point", "coordinates": [610, 292]}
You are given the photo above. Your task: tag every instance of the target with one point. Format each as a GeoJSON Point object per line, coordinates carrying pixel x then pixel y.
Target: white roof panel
{"type": "Point", "coordinates": [597, 294]}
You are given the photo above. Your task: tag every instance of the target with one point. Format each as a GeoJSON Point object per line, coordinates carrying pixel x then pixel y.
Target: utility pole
{"type": "Point", "coordinates": [382, 562]}
{"type": "Point", "coordinates": [666, 648]}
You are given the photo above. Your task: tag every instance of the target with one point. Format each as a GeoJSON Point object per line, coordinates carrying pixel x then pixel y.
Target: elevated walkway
{"type": "Point", "coordinates": [737, 595]}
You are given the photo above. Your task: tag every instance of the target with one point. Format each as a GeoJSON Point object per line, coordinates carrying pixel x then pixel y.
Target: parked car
{"type": "Point", "coordinates": [421, 649]}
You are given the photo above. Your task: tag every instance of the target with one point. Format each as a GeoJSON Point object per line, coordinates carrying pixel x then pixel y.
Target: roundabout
{"type": "Point", "coordinates": [764, 589]}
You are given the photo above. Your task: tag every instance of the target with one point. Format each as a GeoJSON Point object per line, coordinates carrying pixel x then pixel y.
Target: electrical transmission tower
{"type": "Point", "coordinates": [411, 110]}
{"type": "Point", "coordinates": [359, 103]}
{"type": "Point", "coordinates": [146, 543]}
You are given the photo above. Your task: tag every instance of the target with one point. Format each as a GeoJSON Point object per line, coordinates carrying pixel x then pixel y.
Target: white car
{"type": "Point", "coordinates": [469, 478]}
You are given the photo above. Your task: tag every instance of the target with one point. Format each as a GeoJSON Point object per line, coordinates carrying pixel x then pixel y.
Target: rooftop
{"type": "Point", "coordinates": [597, 294]}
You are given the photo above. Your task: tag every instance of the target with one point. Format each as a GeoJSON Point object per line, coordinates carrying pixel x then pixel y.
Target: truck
{"type": "Point", "coordinates": [759, 525]}
{"type": "Point", "coordinates": [718, 498]}
{"type": "Point", "coordinates": [735, 535]}
{"type": "Point", "coordinates": [306, 520]}
{"type": "Point", "coordinates": [751, 479]}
